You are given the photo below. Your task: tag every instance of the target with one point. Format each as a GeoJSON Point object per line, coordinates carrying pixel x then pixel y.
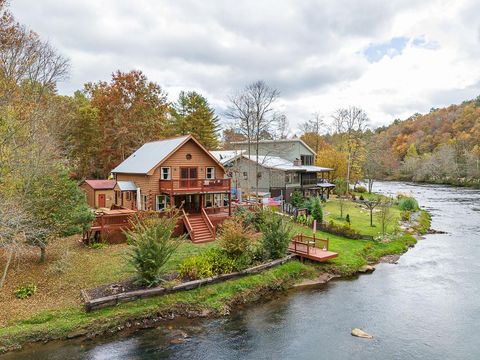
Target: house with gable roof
{"type": "Point", "coordinates": [177, 172]}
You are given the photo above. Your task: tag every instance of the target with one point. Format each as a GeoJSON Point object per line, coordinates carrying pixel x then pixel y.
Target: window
{"type": "Point", "coordinates": [307, 159]}
{"type": "Point", "coordinates": [144, 199]}
{"type": "Point", "coordinates": [259, 174]}
{"type": "Point", "coordinates": [208, 200]}
{"type": "Point", "coordinates": [162, 202]}
{"type": "Point", "coordinates": [245, 175]}
{"type": "Point", "coordinates": [188, 156]}
{"type": "Point", "coordinates": [210, 173]}
{"type": "Point", "coordinates": [218, 200]}
{"type": "Point", "coordinates": [128, 195]}
{"type": "Point", "coordinates": [165, 173]}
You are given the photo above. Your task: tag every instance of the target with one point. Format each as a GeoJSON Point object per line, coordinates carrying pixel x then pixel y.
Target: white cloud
{"type": "Point", "coordinates": [313, 52]}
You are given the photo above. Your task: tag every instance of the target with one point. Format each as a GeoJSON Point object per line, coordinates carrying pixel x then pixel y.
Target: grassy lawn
{"type": "Point", "coordinates": [53, 324]}
{"type": "Point", "coordinates": [70, 267]}
{"type": "Point", "coordinates": [359, 216]}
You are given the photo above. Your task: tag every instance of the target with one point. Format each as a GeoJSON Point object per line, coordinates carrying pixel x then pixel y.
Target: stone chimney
{"type": "Point", "coordinates": [297, 162]}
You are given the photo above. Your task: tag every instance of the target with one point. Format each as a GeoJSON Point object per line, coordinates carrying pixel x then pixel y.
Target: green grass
{"type": "Point", "coordinates": [215, 298]}
{"type": "Point", "coordinates": [359, 217]}
{"type": "Point", "coordinates": [424, 221]}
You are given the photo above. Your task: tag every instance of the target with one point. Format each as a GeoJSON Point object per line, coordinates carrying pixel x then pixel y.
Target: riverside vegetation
{"type": "Point", "coordinates": [55, 310]}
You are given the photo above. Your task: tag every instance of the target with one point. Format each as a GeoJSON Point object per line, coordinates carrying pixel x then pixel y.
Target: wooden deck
{"type": "Point", "coordinates": [311, 248]}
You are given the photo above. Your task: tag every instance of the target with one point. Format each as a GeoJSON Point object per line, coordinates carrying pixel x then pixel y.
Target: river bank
{"type": "Point", "coordinates": [210, 301]}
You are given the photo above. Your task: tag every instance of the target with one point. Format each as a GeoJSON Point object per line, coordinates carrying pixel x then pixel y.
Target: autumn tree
{"type": "Point", "coordinates": [349, 124]}
{"type": "Point", "coordinates": [131, 111]}
{"type": "Point", "coordinates": [193, 115]}
{"type": "Point", "coordinates": [312, 132]}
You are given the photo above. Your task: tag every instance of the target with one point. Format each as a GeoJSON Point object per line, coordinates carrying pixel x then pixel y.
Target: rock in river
{"type": "Point", "coordinates": [366, 269]}
{"type": "Point", "coordinates": [361, 334]}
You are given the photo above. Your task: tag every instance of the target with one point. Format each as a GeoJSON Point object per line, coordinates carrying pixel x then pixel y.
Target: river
{"type": "Point", "coordinates": [425, 307]}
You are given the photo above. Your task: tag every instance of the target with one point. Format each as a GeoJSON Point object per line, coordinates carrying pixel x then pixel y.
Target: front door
{"type": "Point", "coordinates": [188, 177]}
{"type": "Point", "coordinates": [101, 200]}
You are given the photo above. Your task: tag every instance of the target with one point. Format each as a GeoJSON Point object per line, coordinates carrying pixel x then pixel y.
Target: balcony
{"type": "Point", "coordinates": [194, 186]}
{"type": "Point", "coordinates": [313, 181]}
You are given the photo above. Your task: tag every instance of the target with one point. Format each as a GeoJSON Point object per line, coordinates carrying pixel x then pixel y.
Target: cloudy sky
{"type": "Point", "coordinates": [392, 58]}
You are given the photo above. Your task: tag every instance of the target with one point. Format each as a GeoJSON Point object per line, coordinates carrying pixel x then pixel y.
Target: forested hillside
{"type": "Point", "coordinates": [441, 146]}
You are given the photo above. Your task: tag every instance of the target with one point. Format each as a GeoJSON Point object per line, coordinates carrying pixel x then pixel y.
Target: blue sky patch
{"type": "Point", "coordinates": [394, 47]}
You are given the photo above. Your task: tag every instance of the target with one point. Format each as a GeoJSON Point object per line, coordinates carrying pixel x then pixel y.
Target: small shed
{"type": "Point", "coordinates": [99, 193]}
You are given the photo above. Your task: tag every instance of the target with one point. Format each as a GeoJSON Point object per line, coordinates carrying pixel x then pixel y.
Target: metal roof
{"type": "Point", "coordinates": [127, 186]}
{"type": "Point", "coordinates": [225, 156]}
{"type": "Point", "coordinates": [149, 155]}
{"type": "Point", "coordinates": [101, 184]}
{"type": "Point", "coordinates": [275, 162]}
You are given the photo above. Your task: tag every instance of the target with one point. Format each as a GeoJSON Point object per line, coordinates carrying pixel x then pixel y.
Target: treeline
{"type": "Point", "coordinates": [49, 142]}
{"type": "Point", "coordinates": [442, 146]}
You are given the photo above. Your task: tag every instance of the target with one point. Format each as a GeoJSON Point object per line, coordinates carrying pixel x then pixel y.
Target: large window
{"type": "Point", "coordinates": [307, 159]}
{"type": "Point", "coordinates": [165, 173]}
{"type": "Point", "coordinates": [162, 202]}
{"type": "Point", "coordinates": [291, 178]}
{"type": "Point", "coordinates": [210, 173]}
{"type": "Point", "coordinates": [208, 200]}
{"type": "Point", "coordinates": [218, 200]}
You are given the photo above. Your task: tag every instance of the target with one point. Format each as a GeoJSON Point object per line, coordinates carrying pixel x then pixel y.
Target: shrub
{"type": "Point", "coordinates": [297, 199]}
{"type": "Point", "coordinates": [277, 233]}
{"type": "Point", "coordinates": [354, 197]}
{"type": "Point", "coordinates": [405, 215]}
{"type": "Point", "coordinates": [360, 189]}
{"type": "Point", "coordinates": [25, 291]}
{"type": "Point", "coordinates": [235, 238]}
{"type": "Point", "coordinates": [302, 219]}
{"type": "Point", "coordinates": [152, 246]}
{"type": "Point", "coordinates": [209, 263]}
{"type": "Point", "coordinates": [361, 198]}
{"type": "Point", "coordinates": [98, 245]}
{"type": "Point", "coordinates": [347, 219]}
{"type": "Point", "coordinates": [408, 204]}
{"type": "Point", "coordinates": [342, 230]}
{"type": "Point", "coordinates": [317, 212]}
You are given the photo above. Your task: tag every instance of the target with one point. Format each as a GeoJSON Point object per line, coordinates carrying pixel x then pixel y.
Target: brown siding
{"type": "Point", "coordinates": [109, 197]}
{"type": "Point", "coordinates": [199, 159]}
{"type": "Point", "coordinates": [149, 184]}
{"type": "Point", "coordinates": [89, 194]}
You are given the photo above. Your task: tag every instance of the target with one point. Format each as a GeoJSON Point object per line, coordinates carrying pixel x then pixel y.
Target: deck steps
{"type": "Point", "coordinates": [201, 230]}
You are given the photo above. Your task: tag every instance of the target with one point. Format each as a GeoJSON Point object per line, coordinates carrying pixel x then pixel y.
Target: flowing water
{"type": "Point", "coordinates": [425, 307]}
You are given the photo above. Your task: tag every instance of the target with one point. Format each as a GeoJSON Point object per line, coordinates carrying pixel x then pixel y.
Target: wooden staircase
{"type": "Point", "coordinates": [199, 228]}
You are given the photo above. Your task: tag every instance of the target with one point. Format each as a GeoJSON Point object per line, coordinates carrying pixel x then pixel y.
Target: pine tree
{"type": "Point", "coordinates": [192, 114]}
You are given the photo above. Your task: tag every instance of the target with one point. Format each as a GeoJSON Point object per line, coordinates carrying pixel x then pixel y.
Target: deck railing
{"type": "Point", "coordinates": [308, 241]}
{"type": "Point", "coordinates": [189, 227]}
{"type": "Point", "coordinates": [200, 185]}
{"type": "Point", "coordinates": [208, 222]}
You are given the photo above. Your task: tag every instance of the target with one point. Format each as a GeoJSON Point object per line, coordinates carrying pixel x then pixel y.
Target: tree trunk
{"type": "Point", "coordinates": [370, 185]}
{"type": "Point", "coordinates": [42, 253]}
{"type": "Point", "coordinates": [5, 270]}
{"type": "Point", "coordinates": [349, 164]}
{"type": "Point", "coordinates": [256, 170]}
{"type": "Point", "coordinates": [371, 217]}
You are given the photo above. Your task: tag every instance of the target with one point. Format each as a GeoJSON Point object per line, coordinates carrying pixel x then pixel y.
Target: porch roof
{"type": "Point", "coordinates": [127, 186]}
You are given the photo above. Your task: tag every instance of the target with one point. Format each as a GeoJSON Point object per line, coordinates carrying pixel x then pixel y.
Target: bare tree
{"type": "Point", "coordinates": [371, 204]}
{"type": "Point", "coordinates": [314, 126]}
{"type": "Point", "coordinates": [386, 215]}
{"type": "Point", "coordinates": [283, 126]}
{"type": "Point", "coordinates": [350, 123]}
{"type": "Point", "coordinates": [253, 108]}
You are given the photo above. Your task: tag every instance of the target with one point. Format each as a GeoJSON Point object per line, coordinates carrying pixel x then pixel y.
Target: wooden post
{"type": "Point", "coordinates": [229, 203]}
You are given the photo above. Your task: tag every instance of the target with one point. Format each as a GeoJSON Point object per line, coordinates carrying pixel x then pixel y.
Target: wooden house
{"type": "Point", "coordinates": [99, 193]}
{"type": "Point", "coordinates": [176, 172]}
{"type": "Point", "coordinates": [277, 176]}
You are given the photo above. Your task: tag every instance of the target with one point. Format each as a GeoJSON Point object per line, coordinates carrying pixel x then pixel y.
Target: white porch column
{"type": "Point", "coordinates": [139, 200]}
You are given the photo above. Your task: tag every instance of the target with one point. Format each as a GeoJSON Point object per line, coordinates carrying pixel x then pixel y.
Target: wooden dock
{"type": "Point", "coordinates": [310, 247]}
